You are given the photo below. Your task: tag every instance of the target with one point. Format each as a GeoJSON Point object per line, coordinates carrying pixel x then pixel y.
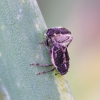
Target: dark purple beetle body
{"type": "Point", "coordinates": [57, 42]}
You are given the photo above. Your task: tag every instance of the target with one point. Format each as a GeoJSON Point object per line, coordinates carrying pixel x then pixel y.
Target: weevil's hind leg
{"type": "Point", "coordinates": [46, 71]}
{"type": "Point", "coordinates": [41, 65]}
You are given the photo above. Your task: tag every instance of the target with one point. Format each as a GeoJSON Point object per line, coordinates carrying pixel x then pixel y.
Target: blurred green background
{"type": "Point", "coordinates": [82, 18]}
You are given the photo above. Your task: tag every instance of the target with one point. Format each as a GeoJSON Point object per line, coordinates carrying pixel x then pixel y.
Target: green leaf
{"type": "Point", "coordinates": [21, 30]}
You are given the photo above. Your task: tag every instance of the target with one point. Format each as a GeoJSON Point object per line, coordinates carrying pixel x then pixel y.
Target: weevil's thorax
{"type": "Point", "coordinates": [58, 35]}
{"type": "Point", "coordinates": [61, 38]}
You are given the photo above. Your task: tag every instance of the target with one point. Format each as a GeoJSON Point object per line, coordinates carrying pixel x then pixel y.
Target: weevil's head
{"type": "Point", "coordinates": [56, 31]}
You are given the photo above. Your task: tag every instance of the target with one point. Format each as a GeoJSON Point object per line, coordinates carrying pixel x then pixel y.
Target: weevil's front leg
{"type": "Point", "coordinates": [70, 40]}
{"type": "Point", "coordinates": [46, 44]}
{"type": "Point", "coordinates": [37, 64]}
{"type": "Point", "coordinates": [43, 42]}
{"type": "Point", "coordinates": [46, 71]}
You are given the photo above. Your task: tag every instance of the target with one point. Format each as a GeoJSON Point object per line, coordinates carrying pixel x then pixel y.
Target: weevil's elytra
{"type": "Point", "coordinates": [57, 42]}
{"type": "Point", "coordinates": [60, 59]}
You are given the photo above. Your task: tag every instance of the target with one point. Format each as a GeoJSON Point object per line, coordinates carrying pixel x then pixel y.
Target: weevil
{"type": "Point", "coordinates": [57, 42]}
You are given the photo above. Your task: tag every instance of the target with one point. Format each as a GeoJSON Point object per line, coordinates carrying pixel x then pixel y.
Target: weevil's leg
{"type": "Point", "coordinates": [47, 44]}
{"type": "Point", "coordinates": [43, 42]}
{"type": "Point", "coordinates": [46, 71]}
{"type": "Point", "coordinates": [70, 40]}
{"type": "Point", "coordinates": [37, 64]}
